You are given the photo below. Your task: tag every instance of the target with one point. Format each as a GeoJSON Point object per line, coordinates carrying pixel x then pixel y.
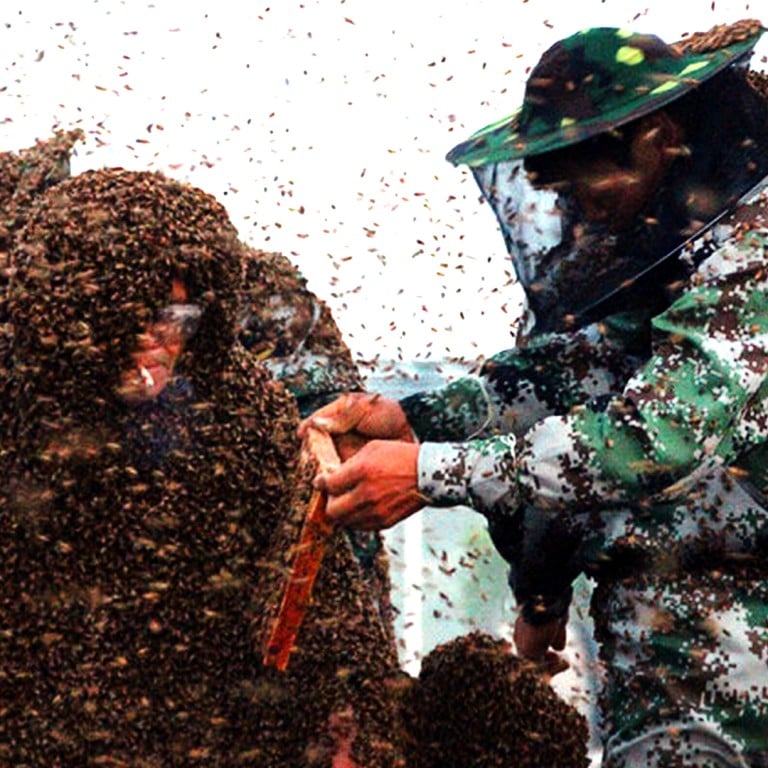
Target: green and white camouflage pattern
{"type": "Point", "coordinates": [641, 444]}
{"type": "Point", "coordinates": [598, 79]}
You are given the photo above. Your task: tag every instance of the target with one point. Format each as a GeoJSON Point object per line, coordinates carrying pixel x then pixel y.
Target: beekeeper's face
{"type": "Point", "coordinates": [571, 218]}
{"type": "Point", "coordinates": [612, 177]}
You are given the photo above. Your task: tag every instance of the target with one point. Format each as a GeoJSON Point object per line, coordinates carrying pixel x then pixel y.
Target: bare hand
{"type": "Point", "coordinates": [539, 643]}
{"type": "Point", "coordinates": [357, 417]}
{"type": "Point", "coordinates": [375, 488]}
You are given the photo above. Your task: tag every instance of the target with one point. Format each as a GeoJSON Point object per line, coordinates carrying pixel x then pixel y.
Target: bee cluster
{"type": "Point", "coordinates": [127, 539]}
{"type": "Point", "coordinates": [759, 81]}
{"type": "Point", "coordinates": [477, 704]}
{"type": "Point", "coordinates": [135, 539]}
{"type": "Point", "coordinates": [143, 547]}
{"type": "Point", "coordinates": [344, 667]}
{"type": "Point", "coordinates": [281, 315]}
{"type": "Point", "coordinates": [719, 36]}
{"type": "Point", "coordinates": [23, 176]}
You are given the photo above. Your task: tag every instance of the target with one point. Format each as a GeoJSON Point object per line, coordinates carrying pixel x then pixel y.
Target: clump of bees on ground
{"type": "Point", "coordinates": [144, 544]}
{"type": "Point", "coordinates": [475, 703]}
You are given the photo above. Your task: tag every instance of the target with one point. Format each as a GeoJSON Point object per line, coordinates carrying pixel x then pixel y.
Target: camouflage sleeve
{"type": "Point", "coordinates": [694, 400]}
{"type": "Point", "coordinates": [460, 410]}
{"type": "Point", "coordinates": [516, 388]}
{"type": "Point", "coordinates": [542, 553]}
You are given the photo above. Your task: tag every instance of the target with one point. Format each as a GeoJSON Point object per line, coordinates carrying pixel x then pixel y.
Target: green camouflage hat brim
{"type": "Point", "coordinates": [621, 76]}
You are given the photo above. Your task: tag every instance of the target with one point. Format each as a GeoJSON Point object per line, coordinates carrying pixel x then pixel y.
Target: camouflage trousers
{"type": "Point", "coordinates": [686, 659]}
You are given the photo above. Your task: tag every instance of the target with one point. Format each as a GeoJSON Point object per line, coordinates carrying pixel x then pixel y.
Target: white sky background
{"type": "Point", "coordinates": [322, 126]}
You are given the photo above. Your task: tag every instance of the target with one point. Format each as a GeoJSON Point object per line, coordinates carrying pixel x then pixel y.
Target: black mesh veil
{"type": "Point", "coordinates": [575, 272]}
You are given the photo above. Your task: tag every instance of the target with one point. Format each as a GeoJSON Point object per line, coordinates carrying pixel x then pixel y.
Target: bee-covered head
{"type": "Point", "coordinates": [108, 254]}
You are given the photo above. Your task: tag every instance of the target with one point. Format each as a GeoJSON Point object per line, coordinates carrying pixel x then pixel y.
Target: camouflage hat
{"type": "Point", "coordinates": [599, 79]}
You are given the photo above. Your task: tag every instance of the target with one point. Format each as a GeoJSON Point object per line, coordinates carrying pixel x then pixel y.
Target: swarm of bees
{"type": "Point", "coordinates": [137, 536]}
{"type": "Point", "coordinates": [144, 542]}
{"type": "Point", "coordinates": [475, 703]}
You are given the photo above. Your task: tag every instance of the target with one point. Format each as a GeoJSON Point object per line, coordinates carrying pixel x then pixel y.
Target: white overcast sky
{"type": "Point", "coordinates": [322, 126]}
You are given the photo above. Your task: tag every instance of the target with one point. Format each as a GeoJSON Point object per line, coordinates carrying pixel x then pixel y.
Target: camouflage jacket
{"type": "Point", "coordinates": [579, 446]}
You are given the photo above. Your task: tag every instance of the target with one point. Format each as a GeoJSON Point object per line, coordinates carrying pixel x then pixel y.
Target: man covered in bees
{"type": "Point", "coordinates": [147, 463]}
{"type": "Point", "coordinates": [625, 435]}
{"type": "Point", "coordinates": [152, 370]}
